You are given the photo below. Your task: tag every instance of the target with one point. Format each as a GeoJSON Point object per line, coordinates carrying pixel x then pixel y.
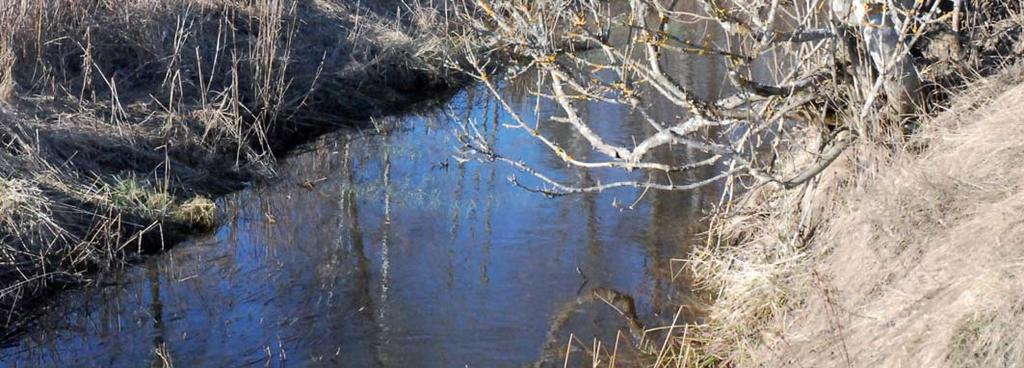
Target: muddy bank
{"type": "Point", "coordinates": [122, 121]}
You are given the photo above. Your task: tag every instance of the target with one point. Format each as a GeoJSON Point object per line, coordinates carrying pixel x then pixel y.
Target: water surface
{"type": "Point", "coordinates": [383, 250]}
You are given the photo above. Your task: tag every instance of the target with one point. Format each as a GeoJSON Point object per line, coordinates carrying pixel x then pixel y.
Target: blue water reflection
{"type": "Point", "coordinates": [382, 250]}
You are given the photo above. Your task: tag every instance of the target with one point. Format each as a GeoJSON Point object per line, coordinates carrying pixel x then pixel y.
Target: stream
{"type": "Point", "coordinates": [383, 250]}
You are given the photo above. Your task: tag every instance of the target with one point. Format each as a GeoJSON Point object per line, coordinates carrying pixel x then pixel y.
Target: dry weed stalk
{"type": "Point", "coordinates": [119, 118]}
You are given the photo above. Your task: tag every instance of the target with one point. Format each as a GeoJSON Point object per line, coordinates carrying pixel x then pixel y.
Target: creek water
{"type": "Point", "coordinates": [382, 250]}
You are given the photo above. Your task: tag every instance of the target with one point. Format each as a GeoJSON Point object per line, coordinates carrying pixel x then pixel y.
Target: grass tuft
{"type": "Point", "coordinates": [199, 212]}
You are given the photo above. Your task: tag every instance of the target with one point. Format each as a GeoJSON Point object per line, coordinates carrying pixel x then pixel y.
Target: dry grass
{"type": "Point", "coordinates": [119, 118]}
{"type": "Point", "coordinates": [905, 252]}
{"type": "Point", "coordinates": [6, 72]}
{"type": "Point", "coordinates": [769, 269]}
{"type": "Point", "coordinates": [894, 257]}
{"type": "Point", "coordinates": [199, 211]}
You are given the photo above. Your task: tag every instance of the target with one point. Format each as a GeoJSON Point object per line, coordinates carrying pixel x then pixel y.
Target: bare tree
{"type": "Point", "coordinates": [839, 67]}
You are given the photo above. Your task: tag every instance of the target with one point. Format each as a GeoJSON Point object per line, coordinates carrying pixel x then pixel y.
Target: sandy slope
{"type": "Point", "coordinates": [924, 266]}
{"type": "Point", "coordinates": [906, 257]}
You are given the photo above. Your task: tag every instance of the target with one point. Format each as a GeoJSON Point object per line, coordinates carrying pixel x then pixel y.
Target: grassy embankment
{"type": "Point", "coordinates": [121, 119]}
{"type": "Point", "coordinates": [905, 253]}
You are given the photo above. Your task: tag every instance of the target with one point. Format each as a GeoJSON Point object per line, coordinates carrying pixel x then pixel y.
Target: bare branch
{"type": "Point", "coordinates": [784, 59]}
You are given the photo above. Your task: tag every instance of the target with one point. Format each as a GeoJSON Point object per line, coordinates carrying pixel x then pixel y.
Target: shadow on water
{"type": "Point", "coordinates": [382, 250]}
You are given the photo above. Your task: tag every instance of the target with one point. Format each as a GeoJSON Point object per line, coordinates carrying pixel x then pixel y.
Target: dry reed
{"type": "Point", "coordinates": [120, 118]}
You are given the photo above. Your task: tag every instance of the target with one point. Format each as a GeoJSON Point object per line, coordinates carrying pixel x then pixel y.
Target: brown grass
{"type": "Point", "coordinates": [118, 118]}
{"type": "Point", "coordinates": [905, 251]}
{"type": "Point", "coordinates": [894, 257]}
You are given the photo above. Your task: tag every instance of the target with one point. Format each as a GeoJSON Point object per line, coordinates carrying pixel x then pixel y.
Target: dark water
{"type": "Point", "coordinates": [383, 251]}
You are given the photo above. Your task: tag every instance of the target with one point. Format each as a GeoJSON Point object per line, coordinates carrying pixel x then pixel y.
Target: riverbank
{"type": "Point", "coordinates": [121, 122]}
{"type": "Point", "coordinates": [902, 254]}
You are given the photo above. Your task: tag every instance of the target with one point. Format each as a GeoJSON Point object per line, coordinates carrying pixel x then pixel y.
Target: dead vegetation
{"type": "Point", "coordinates": [893, 258]}
{"type": "Point", "coordinates": [905, 252]}
{"type": "Point", "coordinates": [120, 119]}
{"type": "Point", "coordinates": [847, 77]}
{"type": "Point", "coordinates": [831, 132]}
